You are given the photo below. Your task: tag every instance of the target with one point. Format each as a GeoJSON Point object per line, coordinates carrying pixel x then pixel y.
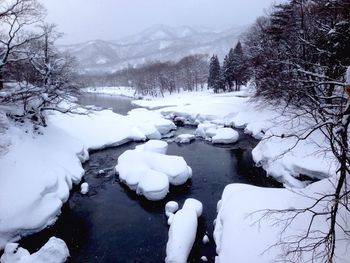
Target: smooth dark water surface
{"type": "Point", "coordinates": [113, 224]}
{"type": "Point", "coordinates": [118, 104]}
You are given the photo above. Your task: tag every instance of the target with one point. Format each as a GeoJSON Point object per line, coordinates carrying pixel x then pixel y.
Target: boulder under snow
{"type": "Point", "coordinates": [182, 231]}
{"type": "Point", "coordinates": [54, 251]}
{"type": "Point", "coordinates": [148, 171]}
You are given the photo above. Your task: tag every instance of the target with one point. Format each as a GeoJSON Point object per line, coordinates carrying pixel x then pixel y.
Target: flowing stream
{"type": "Point", "coordinates": [113, 224]}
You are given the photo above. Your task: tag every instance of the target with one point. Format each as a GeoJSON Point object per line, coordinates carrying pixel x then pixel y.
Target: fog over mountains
{"type": "Point", "coordinates": [158, 43]}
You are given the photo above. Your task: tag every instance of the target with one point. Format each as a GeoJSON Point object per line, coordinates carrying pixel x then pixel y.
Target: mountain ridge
{"type": "Point", "coordinates": [157, 43]}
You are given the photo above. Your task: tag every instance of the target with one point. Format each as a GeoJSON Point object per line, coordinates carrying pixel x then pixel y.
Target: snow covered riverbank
{"type": "Point", "coordinates": [38, 170]}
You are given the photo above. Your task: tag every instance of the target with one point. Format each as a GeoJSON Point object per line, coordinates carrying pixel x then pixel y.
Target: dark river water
{"type": "Point", "coordinates": [113, 224]}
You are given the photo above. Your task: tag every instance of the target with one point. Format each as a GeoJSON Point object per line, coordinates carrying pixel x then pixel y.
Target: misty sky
{"type": "Point", "coordinates": [83, 20]}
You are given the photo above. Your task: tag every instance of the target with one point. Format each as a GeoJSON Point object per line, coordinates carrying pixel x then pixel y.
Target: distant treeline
{"type": "Point", "coordinates": [190, 73]}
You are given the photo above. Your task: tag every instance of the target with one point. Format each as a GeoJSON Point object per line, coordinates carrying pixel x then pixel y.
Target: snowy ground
{"type": "Point", "coordinates": [37, 171]}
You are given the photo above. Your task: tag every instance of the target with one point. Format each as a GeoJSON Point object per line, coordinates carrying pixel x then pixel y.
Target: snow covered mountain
{"type": "Point", "coordinates": [158, 43]}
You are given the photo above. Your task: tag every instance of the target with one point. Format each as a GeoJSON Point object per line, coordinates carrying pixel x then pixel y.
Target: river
{"type": "Point", "coordinates": [113, 224]}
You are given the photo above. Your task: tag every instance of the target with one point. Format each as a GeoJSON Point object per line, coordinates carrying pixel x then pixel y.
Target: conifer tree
{"type": "Point", "coordinates": [239, 69]}
{"type": "Point", "coordinates": [215, 80]}
{"type": "Point", "coordinates": [228, 71]}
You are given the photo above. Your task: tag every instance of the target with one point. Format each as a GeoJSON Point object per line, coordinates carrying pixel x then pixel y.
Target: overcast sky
{"type": "Point", "coordinates": [83, 20]}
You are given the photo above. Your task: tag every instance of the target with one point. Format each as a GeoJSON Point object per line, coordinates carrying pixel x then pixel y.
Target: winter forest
{"type": "Point", "coordinates": [187, 141]}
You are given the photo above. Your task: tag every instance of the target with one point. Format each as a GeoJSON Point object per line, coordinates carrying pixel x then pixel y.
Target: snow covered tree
{"type": "Point", "coordinates": [228, 70]}
{"type": "Point", "coordinates": [239, 69]}
{"type": "Point", "coordinates": [215, 79]}
{"type": "Point", "coordinates": [16, 18]}
{"type": "Point", "coordinates": [38, 76]}
{"type": "Point", "coordinates": [298, 56]}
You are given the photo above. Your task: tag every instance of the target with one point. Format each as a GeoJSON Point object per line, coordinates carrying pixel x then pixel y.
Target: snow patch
{"type": "Point", "coordinates": [170, 208]}
{"type": "Point", "coordinates": [216, 133]}
{"type": "Point", "coordinates": [205, 239]}
{"type": "Point", "coordinates": [225, 136]}
{"type": "Point", "coordinates": [84, 188]}
{"type": "Point", "coordinates": [182, 231]}
{"type": "Point", "coordinates": [156, 146]}
{"type": "Point", "coordinates": [184, 138]}
{"type": "Point", "coordinates": [54, 251]}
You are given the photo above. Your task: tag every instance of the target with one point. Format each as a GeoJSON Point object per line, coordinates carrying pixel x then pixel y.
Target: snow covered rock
{"type": "Point", "coordinates": [202, 129]}
{"type": "Point", "coordinates": [205, 239]}
{"type": "Point", "coordinates": [149, 172]}
{"type": "Point", "coordinates": [204, 258]}
{"type": "Point", "coordinates": [144, 116]}
{"type": "Point", "coordinates": [153, 185]}
{"type": "Point", "coordinates": [54, 251]}
{"type": "Point", "coordinates": [171, 207]}
{"type": "Point", "coordinates": [217, 134]}
{"type": "Point", "coordinates": [182, 231]}
{"type": "Point", "coordinates": [184, 138]}
{"type": "Point", "coordinates": [148, 130]}
{"type": "Point", "coordinates": [84, 188]}
{"type": "Point", "coordinates": [156, 146]}
{"type": "Point", "coordinates": [225, 135]}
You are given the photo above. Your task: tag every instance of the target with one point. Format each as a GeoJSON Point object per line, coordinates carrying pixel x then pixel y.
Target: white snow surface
{"type": "Point", "coordinates": [84, 188]}
{"type": "Point", "coordinates": [38, 170]}
{"type": "Point", "coordinates": [205, 239]}
{"type": "Point", "coordinates": [54, 251]}
{"type": "Point", "coordinates": [184, 138]}
{"type": "Point", "coordinates": [204, 258]}
{"type": "Point", "coordinates": [148, 171]}
{"type": "Point", "coordinates": [241, 236]}
{"type": "Point", "coordinates": [170, 208]}
{"type": "Point", "coordinates": [182, 231]}
{"type": "Point", "coordinates": [156, 146]}
{"type": "Point", "coordinates": [225, 135]}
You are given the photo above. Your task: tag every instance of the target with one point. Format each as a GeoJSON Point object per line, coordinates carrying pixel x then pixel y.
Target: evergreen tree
{"type": "Point", "coordinates": [238, 69]}
{"type": "Point", "coordinates": [227, 70]}
{"type": "Point", "coordinates": [215, 79]}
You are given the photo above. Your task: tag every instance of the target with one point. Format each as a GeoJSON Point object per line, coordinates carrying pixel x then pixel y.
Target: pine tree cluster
{"type": "Point", "coordinates": [232, 75]}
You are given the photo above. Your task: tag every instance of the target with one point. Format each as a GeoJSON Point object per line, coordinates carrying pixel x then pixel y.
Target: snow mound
{"type": "Point", "coordinates": [146, 118]}
{"type": "Point", "coordinates": [156, 146]}
{"type": "Point", "coordinates": [84, 188]}
{"type": "Point", "coordinates": [184, 138]}
{"type": "Point", "coordinates": [149, 172]}
{"type": "Point", "coordinates": [153, 185]}
{"type": "Point", "coordinates": [147, 130]}
{"type": "Point", "coordinates": [216, 133]}
{"type": "Point", "coordinates": [237, 220]}
{"type": "Point", "coordinates": [202, 129]}
{"type": "Point", "coordinates": [225, 135]}
{"type": "Point", "coordinates": [170, 208]}
{"type": "Point", "coordinates": [54, 251]}
{"type": "Point", "coordinates": [205, 239]}
{"type": "Point", "coordinates": [182, 231]}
